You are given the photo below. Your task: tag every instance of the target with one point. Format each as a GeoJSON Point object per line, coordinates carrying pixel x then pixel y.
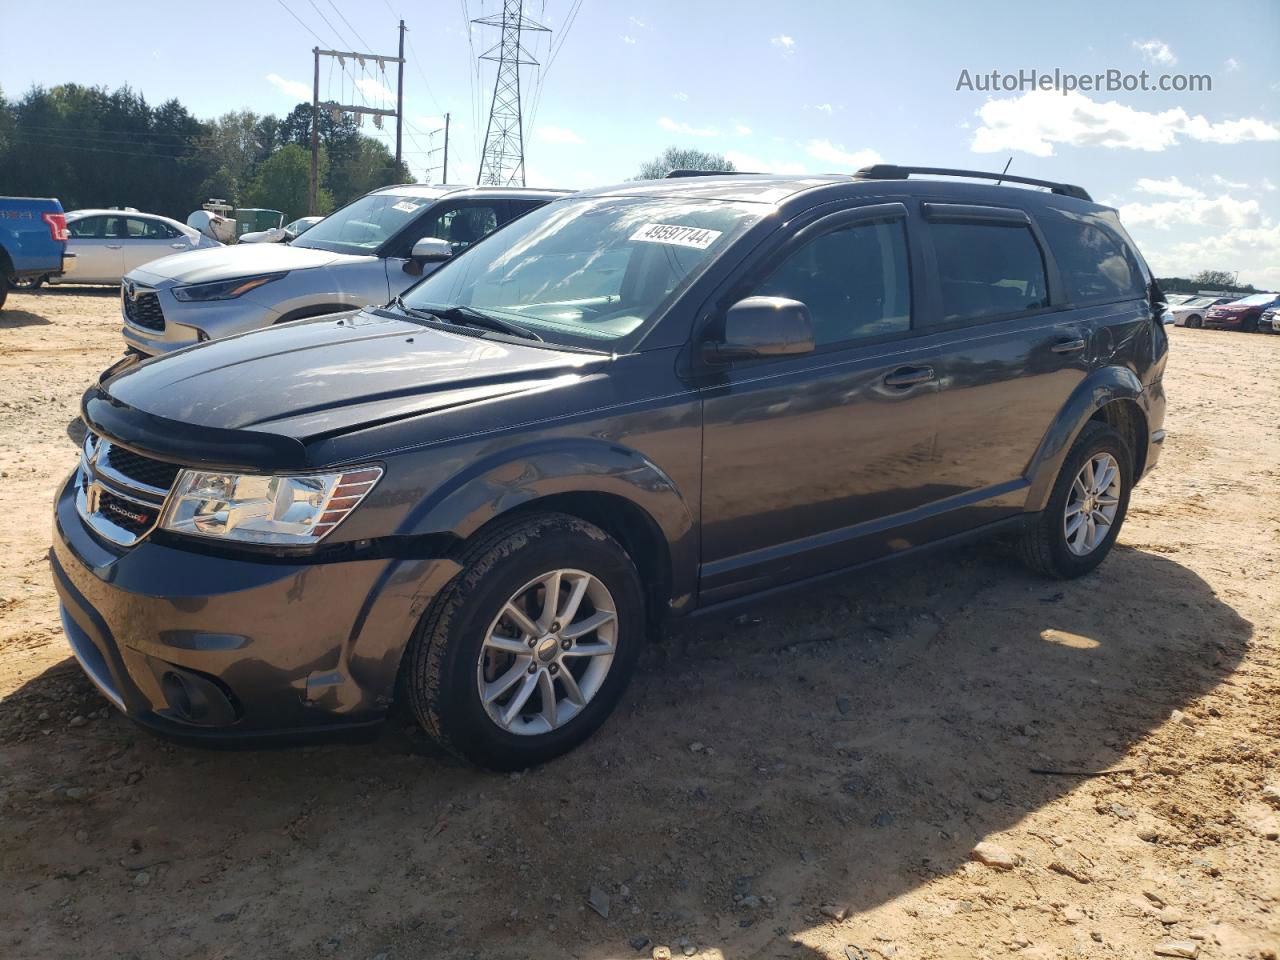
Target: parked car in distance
{"type": "Point", "coordinates": [629, 405]}
{"type": "Point", "coordinates": [33, 240]}
{"type": "Point", "coordinates": [1269, 322]}
{"type": "Point", "coordinates": [361, 254]}
{"type": "Point", "coordinates": [107, 244]}
{"type": "Point", "coordinates": [1190, 313]}
{"type": "Point", "coordinates": [1242, 314]}
{"type": "Point", "coordinates": [289, 231]}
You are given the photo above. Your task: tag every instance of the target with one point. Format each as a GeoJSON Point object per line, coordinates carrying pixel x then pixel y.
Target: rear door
{"type": "Point", "coordinates": [1011, 352]}
{"type": "Point", "coordinates": [818, 461]}
{"type": "Point", "coordinates": [98, 249]}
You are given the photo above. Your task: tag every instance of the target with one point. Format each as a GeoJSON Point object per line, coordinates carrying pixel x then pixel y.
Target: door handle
{"type": "Point", "coordinates": [178, 246]}
{"type": "Point", "coordinates": [907, 376]}
{"type": "Point", "coordinates": [1068, 346]}
{"type": "Point", "coordinates": [113, 246]}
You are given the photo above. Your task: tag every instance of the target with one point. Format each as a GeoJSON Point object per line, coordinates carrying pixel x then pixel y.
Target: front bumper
{"type": "Point", "coordinates": [185, 324]}
{"type": "Point", "coordinates": [207, 648]}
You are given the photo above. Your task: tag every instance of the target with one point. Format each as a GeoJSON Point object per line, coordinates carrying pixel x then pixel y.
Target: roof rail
{"type": "Point", "coordinates": [891, 171]}
{"type": "Point", "coordinates": [705, 173]}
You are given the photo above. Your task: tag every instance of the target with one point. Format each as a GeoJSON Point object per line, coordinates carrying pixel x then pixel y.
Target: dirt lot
{"type": "Point", "coordinates": [808, 780]}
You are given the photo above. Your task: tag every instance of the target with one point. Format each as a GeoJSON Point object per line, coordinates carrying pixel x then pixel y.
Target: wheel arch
{"type": "Point", "coordinates": [1113, 395]}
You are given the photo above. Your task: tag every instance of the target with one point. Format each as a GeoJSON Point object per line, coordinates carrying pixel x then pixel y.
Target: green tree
{"type": "Point", "coordinates": [680, 158]}
{"type": "Point", "coordinates": [1214, 279]}
{"type": "Point", "coordinates": [283, 183]}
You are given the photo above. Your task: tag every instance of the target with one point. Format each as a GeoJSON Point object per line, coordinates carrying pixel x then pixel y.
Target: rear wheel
{"type": "Point", "coordinates": [28, 283]}
{"type": "Point", "coordinates": [1077, 528]}
{"type": "Point", "coordinates": [528, 650]}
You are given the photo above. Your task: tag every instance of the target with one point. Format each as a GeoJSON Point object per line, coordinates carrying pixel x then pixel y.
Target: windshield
{"type": "Point", "coordinates": [1257, 300]}
{"type": "Point", "coordinates": [363, 225]}
{"type": "Point", "coordinates": [590, 272]}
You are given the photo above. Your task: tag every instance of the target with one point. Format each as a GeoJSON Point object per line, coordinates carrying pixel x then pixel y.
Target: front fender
{"type": "Point", "coordinates": [495, 485]}
{"type": "Point", "coordinates": [1094, 392]}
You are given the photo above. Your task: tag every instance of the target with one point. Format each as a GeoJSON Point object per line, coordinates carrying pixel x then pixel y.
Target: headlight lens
{"type": "Point", "coordinates": [224, 289]}
{"type": "Point", "coordinates": [296, 510]}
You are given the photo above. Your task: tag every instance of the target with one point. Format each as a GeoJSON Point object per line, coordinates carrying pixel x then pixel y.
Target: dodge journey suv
{"type": "Point", "coordinates": [629, 405]}
{"type": "Point", "coordinates": [367, 252]}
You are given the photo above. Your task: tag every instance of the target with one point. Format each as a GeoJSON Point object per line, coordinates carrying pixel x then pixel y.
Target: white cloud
{"type": "Point", "coordinates": [742, 130]}
{"type": "Point", "coordinates": [1229, 184]}
{"type": "Point", "coordinates": [1267, 184]}
{"type": "Point", "coordinates": [1035, 121]}
{"type": "Point", "coordinates": [680, 95]}
{"type": "Point", "coordinates": [550, 134]}
{"type": "Point", "coordinates": [784, 43]}
{"type": "Point", "coordinates": [1254, 251]}
{"type": "Point", "coordinates": [630, 40]}
{"type": "Point", "coordinates": [1200, 211]}
{"type": "Point", "coordinates": [1172, 187]}
{"type": "Point", "coordinates": [295, 89]}
{"type": "Point", "coordinates": [673, 126]}
{"type": "Point", "coordinates": [1231, 65]}
{"type": "Point", "coordinates": [1156, 51]}
{"type": "Point", "coordinates": [753, 164]}
{"type": "Point", "coordinates": [826, 108]}
{"type": "Point", "coordinates": [838, 156]}
{"type": "Point", "coordinates": [636, 21]}
{"type": "Point", "coordinates": [375, 88]}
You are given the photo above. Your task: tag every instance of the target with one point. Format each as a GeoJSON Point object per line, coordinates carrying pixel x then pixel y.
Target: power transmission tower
{"type": "Point", "coordinates": [502, 162]}
{"type": "Point", "coordinates": [317, 105]}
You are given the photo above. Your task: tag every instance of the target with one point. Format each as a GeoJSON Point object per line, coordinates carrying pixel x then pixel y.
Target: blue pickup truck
{"type": "Point", "coordinates": [33, 240]}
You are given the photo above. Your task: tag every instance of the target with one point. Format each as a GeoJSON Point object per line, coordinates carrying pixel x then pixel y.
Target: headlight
{"type": "Point", "coordinates": [224, 289]}
{"type": "Point", "coordinates": [280, 510]}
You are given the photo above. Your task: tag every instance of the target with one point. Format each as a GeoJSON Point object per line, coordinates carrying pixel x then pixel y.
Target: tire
{"type": "Point", "coordinates": [1193, 321]}
{"type": "Point", "coordinates": [30, 283]}
{"type": "Point", "coordinates": [1250, 325]}
{"type": "Point", "coordinates": [448, 659]}
{"type": "Point", "coordinates": [4, 290]}
{"type": "Point", "coordinates": [1044, 544]}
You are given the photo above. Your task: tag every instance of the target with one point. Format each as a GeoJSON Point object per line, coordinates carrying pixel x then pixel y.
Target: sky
{"type": "Point", "coordinates": [803, 87]}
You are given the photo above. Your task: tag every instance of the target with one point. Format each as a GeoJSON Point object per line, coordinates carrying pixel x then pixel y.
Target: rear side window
{"type": "Point", "coordinates": [1094, 263]}
{"type": "Point", "coordinates": [854, 282]}
{"type": "Point", "coordinates": [988, 270]}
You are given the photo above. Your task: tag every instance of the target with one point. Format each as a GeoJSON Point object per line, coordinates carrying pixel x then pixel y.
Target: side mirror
{"type": "Point", "coordinates": [431, 250]}
{"type": "Point", "coordinates": [762, 327]}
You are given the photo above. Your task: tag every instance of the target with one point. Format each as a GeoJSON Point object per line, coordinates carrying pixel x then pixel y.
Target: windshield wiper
{"type": "Point", "coordinates": [470, 316]}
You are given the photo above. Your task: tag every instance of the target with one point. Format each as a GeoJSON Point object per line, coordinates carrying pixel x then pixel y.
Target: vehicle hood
{"type": "Point", "coordinates": [227, 263]}
{"type": "Point", "coordinates": [320, 378]}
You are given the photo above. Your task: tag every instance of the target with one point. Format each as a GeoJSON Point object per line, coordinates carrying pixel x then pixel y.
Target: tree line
{"type": "Point", "coordinates": [92, 147]}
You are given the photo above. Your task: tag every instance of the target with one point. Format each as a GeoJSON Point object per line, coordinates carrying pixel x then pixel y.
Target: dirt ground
{"type": "Point", "coordinates": [806, 780]}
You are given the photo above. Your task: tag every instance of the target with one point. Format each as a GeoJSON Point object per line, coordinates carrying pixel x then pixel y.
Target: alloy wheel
{"type": "Point", "coordinates": [547, 652]}
{"type": "Point", "coordinates": [1092, 504]}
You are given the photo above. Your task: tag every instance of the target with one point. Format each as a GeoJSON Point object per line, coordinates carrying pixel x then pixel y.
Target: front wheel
{"type": "Point", "coordinates": [1077, 528]}
{"type": "Point", "coordinates": [4, 289]}
{"type": "Point", "coordinates": [528, 650]}
{"type": "Point", "coordinates": [28, 283]}
{"type": "Point", "coordinates": [1193, 322]}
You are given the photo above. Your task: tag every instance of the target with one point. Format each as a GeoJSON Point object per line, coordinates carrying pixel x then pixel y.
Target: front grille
{"type": "Point", "coordinates": [134, 466]}
{"type": "Point", "coordinates": [127, 514]}
{"type": "Point", "coordinates": [143, 310]}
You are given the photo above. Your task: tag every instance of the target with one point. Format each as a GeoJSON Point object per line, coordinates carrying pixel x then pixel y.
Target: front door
{"type": "Point", "coordinates": [811, 463]}
{"type": "Point", "coordinates": [146, 240]}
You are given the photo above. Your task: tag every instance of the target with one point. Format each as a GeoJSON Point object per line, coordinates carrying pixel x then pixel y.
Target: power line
{"type": "Point", "coordinates": [552, 54]}
{"type": "Point", "coordinates": [305, 26]}
{"type": "Point", "coordinates": [363, 42]}
{"type": "Point", "coordinates": [320, 13]}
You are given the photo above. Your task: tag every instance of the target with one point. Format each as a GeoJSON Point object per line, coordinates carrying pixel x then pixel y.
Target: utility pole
{"type": "Point", "coordinates": [444, 176]}
{"type": "Point", "coordinates": [343, 56]}
{"type": "Point", "coordinates": [400, 95]}
{"type": "Point", "coordinates": [444, 166]}
{"type": "Point", "coordinates": [313, 185]}
{"type": "Point", "coordinates": [502, 162]}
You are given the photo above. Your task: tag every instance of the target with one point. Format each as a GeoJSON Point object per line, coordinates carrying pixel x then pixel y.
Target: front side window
{"type": "Point", "coordinates": [590, 271]}
{"type": "Point", "coordinates": [1094, 264]}
{"type": "Point", "coordinates": [364, 225]}
{"type": "Point", "coordinates": [148, 229]}
{"type": "Point", "coordinates": [461, 224]}
{"type": "Point", "coordinates": [988, 270]}
{"type": "Point", "coordinates": [854, 281]}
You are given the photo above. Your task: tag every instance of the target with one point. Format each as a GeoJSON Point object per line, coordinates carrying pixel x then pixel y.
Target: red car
{"type": "Point", "coordinates": [1241, 314]}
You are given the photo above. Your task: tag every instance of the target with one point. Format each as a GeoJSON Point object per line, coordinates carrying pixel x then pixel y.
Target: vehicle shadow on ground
{"type": "Point", "coordinates": [842, 746]}
{"type": "Point", "coordinates": [10, 319]}
{"type": "Point", "coordinates": [68, 290]}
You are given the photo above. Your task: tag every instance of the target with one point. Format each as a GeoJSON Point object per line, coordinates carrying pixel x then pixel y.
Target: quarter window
{"type": "Point", "coordinates": [1094, 264]}
{"type": "Point", "coordinates": [854, 281]}
{"type": "Point", "coordinates": [988, 270]}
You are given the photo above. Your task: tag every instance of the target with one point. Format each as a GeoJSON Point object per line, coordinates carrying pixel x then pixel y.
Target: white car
{"type": "Point", "coordinates": [279, 234]}
{"type": "Point", "coordinates": [1191, 313]}
{"type": "Point", "coordinates": [109, 243]}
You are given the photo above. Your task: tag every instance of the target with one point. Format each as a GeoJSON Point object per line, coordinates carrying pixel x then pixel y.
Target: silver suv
{"type": "Point", "coordinates": [366, 253]}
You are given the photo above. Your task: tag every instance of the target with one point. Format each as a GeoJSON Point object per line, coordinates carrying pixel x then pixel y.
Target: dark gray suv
{"type": "Point", "coordinates": [628, 405]}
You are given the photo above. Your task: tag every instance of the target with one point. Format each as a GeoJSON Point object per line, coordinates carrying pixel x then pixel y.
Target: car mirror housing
{"type": "Point", "coordinates": [762, 327]}
{"type": "Point", "coordinates": [431, 250]}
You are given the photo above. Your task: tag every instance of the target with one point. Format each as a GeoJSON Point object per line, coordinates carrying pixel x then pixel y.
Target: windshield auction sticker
{"type": "Point", "coordinates": [695, 237]}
